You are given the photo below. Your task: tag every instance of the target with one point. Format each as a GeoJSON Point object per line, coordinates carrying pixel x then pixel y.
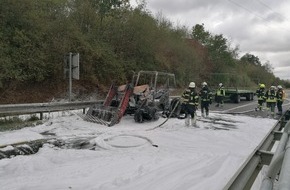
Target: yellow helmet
{"type": "Point", "coordinates": [262, 86]}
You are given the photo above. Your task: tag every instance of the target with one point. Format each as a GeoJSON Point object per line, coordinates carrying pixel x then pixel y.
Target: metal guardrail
{"type": "Point", "coordinates": [18, 109]}
{"type": "Point", "coordinates": [276, 162]}
{"type": "Point", "coordinates": [244, 178]}
{"type": "Point", "coordinates": [284, 182]}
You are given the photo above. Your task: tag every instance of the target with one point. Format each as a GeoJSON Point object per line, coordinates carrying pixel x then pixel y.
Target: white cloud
{"type": "Point", "coordinates": [260, 27]}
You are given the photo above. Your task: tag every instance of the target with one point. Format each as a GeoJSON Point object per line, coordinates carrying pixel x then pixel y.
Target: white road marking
{"type": "Point", "coordinates": [239, 107]}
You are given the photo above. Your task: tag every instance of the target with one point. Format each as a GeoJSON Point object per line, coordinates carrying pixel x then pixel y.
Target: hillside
{"type": "Point", "coordinates": [113, 40]}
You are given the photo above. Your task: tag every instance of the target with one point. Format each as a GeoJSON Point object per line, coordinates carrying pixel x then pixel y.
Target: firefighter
{"type": "Point", "coordinates": [271, 99]}
{"type": "Point", "coordinates": [280, 98]}
{"type": "Point", "coordinates": [220, 94]}
{"type": "Point", "coordinates": [261, 97]}
{"type": "Point", "coordinates": [205, 99]}
{"type": "Point", "coordinates": [189, 103]}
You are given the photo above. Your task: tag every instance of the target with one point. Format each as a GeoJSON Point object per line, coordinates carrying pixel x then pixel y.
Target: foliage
{"type": "Point", "coordinates": [247, 71]}
{"type": "Point", "coordinates": [251, 59]}
{"type": "Point", "coordinates": [219, 51]}
{"type": "Point", "coordinates": [113, 40]}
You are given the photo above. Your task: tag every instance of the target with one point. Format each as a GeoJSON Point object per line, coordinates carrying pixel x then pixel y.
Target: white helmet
{"type": "Point", "coordinates": [279, 87]}
{"type": "Point", "coordinates": [204, 84]}
{"type": "Point", "coordinates": [191, 85]}
{"type": "Point", "coordinates": [220, 84]}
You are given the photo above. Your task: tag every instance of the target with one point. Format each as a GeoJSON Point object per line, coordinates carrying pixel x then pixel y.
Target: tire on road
{"type": "Point", "coordinates": [237, 98]}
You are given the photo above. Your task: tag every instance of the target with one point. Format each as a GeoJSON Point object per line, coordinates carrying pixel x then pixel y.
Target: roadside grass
{"type": "Point", "coordinates": [15, 122]}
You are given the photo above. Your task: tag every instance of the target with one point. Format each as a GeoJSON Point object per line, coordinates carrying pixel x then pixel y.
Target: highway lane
{"type": "Point", "coordinates": [247, 107]}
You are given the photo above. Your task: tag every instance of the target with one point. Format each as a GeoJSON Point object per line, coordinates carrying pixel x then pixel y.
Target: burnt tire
{"type": "Point", "coordinates": [177, 111]}
{"type": "Point", "coordinates": [146, 113]}
{"type": "Point", "coordinates": [138, 116]}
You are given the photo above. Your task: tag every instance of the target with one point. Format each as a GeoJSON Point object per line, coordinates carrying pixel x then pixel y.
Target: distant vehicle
{"type": "Point", "coordinates": [233, 92]}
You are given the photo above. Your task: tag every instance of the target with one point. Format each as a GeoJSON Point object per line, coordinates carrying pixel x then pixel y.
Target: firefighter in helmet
{"type": "Point", "coordinates": [220, 94]}
{"type": "Point", "coordinates": [280, 98]}
{"type": "Point", "coordinates": [205, 99]}
{"type": "Point", "coordinates": [261, 97]}
{"type": "Point", "coordinates": [271, 100]}
{"type": "Point", "coordinates": [189, 103]}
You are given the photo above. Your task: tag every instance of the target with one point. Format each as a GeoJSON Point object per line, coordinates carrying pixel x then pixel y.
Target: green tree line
{"type": "Point", "coordinates": [113, 40]}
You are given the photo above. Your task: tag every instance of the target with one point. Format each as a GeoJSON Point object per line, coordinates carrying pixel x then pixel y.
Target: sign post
{"type": "Point", "coordinates": [71, 69]}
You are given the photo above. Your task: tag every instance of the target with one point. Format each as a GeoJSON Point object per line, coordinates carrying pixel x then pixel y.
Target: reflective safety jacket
{"type": "Point", "coordinates": [261, 94]}
{"type": "Point", "coordinates": [271, 96]}
{"type": "Point", "coordinates": [281, 95]}
{"type": "Point", "coordinates": [221, 91]}
{"type": "Point", "coordinates": [205, 94]}
{"type": "Point", "coordinates": [190, 96]}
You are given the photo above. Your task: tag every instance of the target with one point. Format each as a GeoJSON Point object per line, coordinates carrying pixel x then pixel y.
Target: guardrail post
{"type": "Point", "coordinates": [41, 115]}
{"type": "Point", "coordinates": [275, 165]}
{"type": "Point", "coordinates": [284, 182]}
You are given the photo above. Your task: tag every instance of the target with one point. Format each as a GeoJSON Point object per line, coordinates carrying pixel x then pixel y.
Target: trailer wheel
{"type": "Point", "coordinates": [248, 97]}
{"type": "Point", "coordinates": [237, 98]}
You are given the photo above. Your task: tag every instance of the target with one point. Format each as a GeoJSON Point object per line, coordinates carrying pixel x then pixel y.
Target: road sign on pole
{"type": "Point", "coordinates": [76, 66]}
{"type": "Point", "coordinates": [71, 69]}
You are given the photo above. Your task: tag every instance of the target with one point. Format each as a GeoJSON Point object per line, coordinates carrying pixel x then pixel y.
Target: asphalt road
{"type": "Point", "coordinates": [247, 107]}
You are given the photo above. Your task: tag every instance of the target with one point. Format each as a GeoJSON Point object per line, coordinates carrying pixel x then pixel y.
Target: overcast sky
{"type": "Point", "coordinates": [258, 27]}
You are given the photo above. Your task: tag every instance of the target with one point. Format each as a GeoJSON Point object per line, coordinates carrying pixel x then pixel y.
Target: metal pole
{"type": "Point", "coordinates": [70, 76]}
{"type": "Point", "coordinates": [242, 181]}
{"type": "Point", "coordinates": [284, 182]}
{"type": "Point", "coordinates": [275, 165]}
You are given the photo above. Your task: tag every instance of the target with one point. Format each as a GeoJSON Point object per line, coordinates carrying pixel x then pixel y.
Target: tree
{"type": "Point", "coordinates": [106, 6]}
{"type": "Point", "coordinates": [113, 40]}
{"type": "Point", "coordinates": [268, 67]}
{"type": "Point", "coordinates": [219, 53]}
{"type": "Point", "coordinates": [251, 59]}
{"type": "Point", "coordinates": [198, 33]}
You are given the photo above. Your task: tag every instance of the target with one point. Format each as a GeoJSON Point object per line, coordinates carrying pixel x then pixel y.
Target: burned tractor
{"type": "Point", "coordinates": [144, 98]}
